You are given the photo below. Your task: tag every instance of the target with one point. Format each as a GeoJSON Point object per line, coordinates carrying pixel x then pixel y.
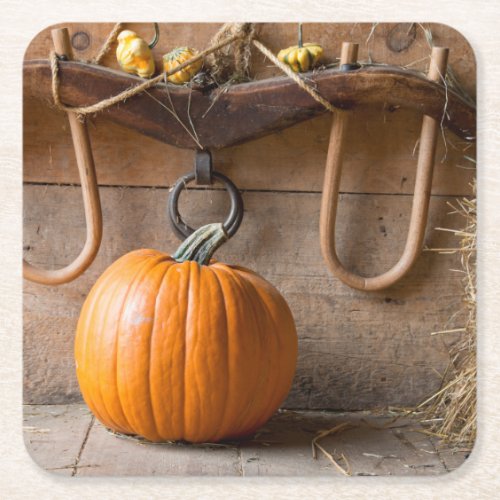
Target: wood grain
{"type": "Point", "coordinates": [379, 155]}
{"type": "Point", "coordinates": [108, 455]}
{"type": "Point", "coordinates": [247, 110]}
{"type": "Point", "coordinates": [371, 450]}
{"type": "Point", "coordinates": [54, 435]}
{"type": "Point", "coordinates": [357, 350]}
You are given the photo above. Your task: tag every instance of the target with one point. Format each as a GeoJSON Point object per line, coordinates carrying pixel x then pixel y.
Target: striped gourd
{"type": "Point", "coordinates": [175, 58]}
{"type": "Point", "coordinates": [301, 59]}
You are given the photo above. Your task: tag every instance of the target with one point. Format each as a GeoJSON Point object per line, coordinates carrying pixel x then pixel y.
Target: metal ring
{"type": "Point", "coordinates": [233, 221]}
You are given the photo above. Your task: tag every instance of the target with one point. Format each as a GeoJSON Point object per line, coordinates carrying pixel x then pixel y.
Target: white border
{"type": "Point", "coordinates": [478, 21]}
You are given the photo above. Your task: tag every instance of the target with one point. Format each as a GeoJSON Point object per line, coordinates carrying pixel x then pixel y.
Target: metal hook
{"type": "Point", "coordinates": [90, 192]}
{"type": "Point", "coordinates": [421, 198]}
{"type": "Point", "coordinates": [204, 175]}
{"type": "Point", "coordinates": [154, 41]}
{"type": "Point", "coordinates": [203, 168]}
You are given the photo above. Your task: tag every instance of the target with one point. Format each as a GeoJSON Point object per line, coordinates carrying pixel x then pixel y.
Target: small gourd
{"type": "Point", "coordinates": [134, 54]}
{"type": "Point", "coordinates": [175, 58]}
{"type": "Point", "coordinates": [302, 57]}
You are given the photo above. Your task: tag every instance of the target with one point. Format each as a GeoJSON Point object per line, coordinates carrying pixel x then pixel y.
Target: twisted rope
{"type": "Point", "coordinates": [107, 44]}
{"type": "Point", "coordinates": [226, 66]}
{"type": "Point", "coordinates": [126, 94]}
{"type": "Point", "coordinates": [296, 78]}
{"type": "Point", "coordinates": [242, 50]}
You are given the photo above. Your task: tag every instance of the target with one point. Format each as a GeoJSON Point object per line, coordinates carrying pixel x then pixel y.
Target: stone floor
{"type": "Point", "coordinates": [66, 439]}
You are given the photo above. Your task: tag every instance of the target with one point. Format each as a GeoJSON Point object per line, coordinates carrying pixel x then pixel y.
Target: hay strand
{"type": "Point", "coordinates": [322, 434]}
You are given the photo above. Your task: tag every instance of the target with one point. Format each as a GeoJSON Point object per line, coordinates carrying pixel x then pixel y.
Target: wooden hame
{"type": "Point", "coordinates": [90, 193]}
{"type": "Point", "coordinates": [421, 198]}
{"type": "Point", "coordinates": [224, 116]}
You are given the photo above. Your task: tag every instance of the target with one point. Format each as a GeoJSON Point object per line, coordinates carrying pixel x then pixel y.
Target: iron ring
{"type": "Point", "coordinates": [231, 224]}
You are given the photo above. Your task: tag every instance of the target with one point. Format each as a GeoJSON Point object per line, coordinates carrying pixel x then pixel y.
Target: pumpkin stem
{"type": "Point", "coordinates": [202, 244]}
{"type": "Point", "coordinates": [300, 36]}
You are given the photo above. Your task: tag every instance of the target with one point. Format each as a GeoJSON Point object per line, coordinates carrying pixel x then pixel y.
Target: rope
{"type": "Point", "coordinates": [296, 78]}
{"type": "Point", "coordinates": [225, 65]}
{"type": "Point", "coordinates": [126, 94]}
{"type": "Point", "coordinates": [243, 52]}
{"type": "Point", "coordinates": [107, 44]}
{"type": "Point", "coordinates": [242, 33]}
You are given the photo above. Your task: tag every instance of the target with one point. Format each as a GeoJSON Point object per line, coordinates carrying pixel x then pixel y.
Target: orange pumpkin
{"type": "Point", "coordinates": [183, 347]}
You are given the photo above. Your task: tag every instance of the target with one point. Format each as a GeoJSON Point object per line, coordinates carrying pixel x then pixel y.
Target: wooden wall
{"type": "Point", "coordinates": [356, 350]}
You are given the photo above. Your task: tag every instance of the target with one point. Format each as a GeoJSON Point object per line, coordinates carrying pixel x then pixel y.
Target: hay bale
{"type": "Point", "coordinates": [451, 411]}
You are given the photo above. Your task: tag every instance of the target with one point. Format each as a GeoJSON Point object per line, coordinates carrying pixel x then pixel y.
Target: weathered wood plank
{"type": "Point", "coordinates": [379, 155]}
{"type": "Point", "coordinates": [452, 458]}
{"type": "Point", "coordinates": [371, 449]}
{"type": "Point", "coordinates": [400, 449]}
{"type": "Point", "coordinates": [374, 445]}
{"type": "Point", "coordinates": [54, 435]}
{"type": "Point", "coordinates": [357, 350]}
{"type": "Point", "coordinates": [106, 454]}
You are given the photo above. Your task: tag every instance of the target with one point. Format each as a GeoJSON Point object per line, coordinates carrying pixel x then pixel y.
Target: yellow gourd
{"type": "Point", "coordinates": [301, 57]}
{"type": "Point", "coordinates": [175, 58]}
{"type": "Point", "coordinates": [134, 54]}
